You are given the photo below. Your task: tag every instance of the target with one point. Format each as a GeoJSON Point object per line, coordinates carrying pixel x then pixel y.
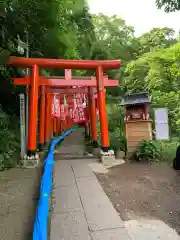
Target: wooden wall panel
{"type": "Point", "coordinates": [138, 131]}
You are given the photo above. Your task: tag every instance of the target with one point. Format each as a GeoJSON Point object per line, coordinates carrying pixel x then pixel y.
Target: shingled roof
{"type": "Point", "coordinates": [137, 98]}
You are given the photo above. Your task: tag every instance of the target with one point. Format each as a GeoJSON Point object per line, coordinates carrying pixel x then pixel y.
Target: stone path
{"type": "Point", "coordinates": [81, 209]}
{"type": "Point", "coordinates": [72, 147]}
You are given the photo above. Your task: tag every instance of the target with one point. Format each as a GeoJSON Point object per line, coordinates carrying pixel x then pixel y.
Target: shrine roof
{"type": "Point", "coordinates": [137, 98]}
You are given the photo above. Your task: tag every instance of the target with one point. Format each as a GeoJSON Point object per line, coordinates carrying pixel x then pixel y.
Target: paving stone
{"type": "Point", "coordinates": [81, 169]}
{"type": "Point", "coordinates": [63, 174]}
{"type": "Point", "coordinates": [73, 149]}
{"type": "Point", "coordinates": [98, 209]}
{"type": "Point", "coordinates": [111, 234]}
{"type": "Point", "coordinates": [66, 199]}
{"type": "Point", "coordinates": [150, 230]}
{"type": "Point", "coordinates": [69, 226]}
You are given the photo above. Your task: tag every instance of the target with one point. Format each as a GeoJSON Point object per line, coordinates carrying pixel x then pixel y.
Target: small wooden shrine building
{"type": "Point", "coordinates": [138, 123]}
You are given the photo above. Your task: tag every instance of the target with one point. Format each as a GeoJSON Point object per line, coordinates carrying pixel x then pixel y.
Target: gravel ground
{"type": "Point", "coordinates": [144, 191]}
{"type": "Point", "coordinates": [19, 190]}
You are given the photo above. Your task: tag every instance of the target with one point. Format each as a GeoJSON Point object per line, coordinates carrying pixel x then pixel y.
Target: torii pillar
{"type": "Point", "coordinates": [106, 154]}
{"type": "Point", "coordinates": [42, 118]}
{"type": "Point", "coordinates": [33, 112]}
{"type": "Point", "coordinates": [92, 116]}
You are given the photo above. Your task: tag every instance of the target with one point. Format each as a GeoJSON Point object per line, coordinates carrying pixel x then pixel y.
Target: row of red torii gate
{"type": "Point", "coordinates": [57, 103]}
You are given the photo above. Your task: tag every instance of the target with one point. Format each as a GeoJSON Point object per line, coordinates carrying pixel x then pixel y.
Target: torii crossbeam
{"type": "Point", "coordinates": [60, 82]}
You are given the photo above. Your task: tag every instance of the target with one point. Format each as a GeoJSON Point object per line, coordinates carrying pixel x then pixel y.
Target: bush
{"type": "Point", "coordinates": [168, 150]}
{"type": "Point", "coordinates": [147, 151]}
{"type": "Point", "coordinates": [9, 140]}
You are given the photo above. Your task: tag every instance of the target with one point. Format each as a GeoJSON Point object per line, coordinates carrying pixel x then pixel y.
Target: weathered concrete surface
{"type": "Point", "coordinates": [19, 189]}
{"type": "Point", "coordinates": [67, 200]}
{"type": "Point", "coordinates": [98, 209]}
{"type": "Point", "coordinates": [150, 230]}
{"type": "Point", "coordinates": [81, 169]}
{"type": "Point", "coordinates": [69, 226]}
{"type": "Point", "coordinates": [82, 210]}
{"type": "Point", "coordinates": [111, 234]}
{"type": "Point", "coordinates": [63, 175]}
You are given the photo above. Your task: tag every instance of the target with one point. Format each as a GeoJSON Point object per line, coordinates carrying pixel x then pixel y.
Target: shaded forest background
{"type": "Point", "coordinates": [66, 29]}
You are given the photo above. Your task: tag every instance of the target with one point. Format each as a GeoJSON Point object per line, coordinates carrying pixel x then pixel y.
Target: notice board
{"type": "Point", "coordinates": [161, 124]}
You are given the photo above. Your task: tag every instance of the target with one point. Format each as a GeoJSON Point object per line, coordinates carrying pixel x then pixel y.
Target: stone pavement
{"type": "Point", "coordinates": [81, 209]}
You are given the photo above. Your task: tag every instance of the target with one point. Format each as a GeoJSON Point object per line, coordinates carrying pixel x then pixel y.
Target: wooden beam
{"type": "Point", "coordinates": [63, 63]}
{"type": "Point", "coordinates": [68, 90]}
{"type": "Point", "coordinates": [55, 82]}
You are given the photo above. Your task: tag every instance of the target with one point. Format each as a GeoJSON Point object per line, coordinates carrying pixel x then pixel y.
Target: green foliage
{"type": "Point", "coordinates": [158, 72]}
{"type": "Point", "coordinates": [168, 5]}
{"type": "Point", "coordinates": [168, 150]}
{"type": "Point", "coordinates": [9, 141]}
{"type": "Point", "coordinates": [153, 151]}
{"type": "Point", "coordinates": [147, 151]}
{"type": "Point", "coordinates": [157, 38]}
{"type": "Point", "coordinates": [116, 126]}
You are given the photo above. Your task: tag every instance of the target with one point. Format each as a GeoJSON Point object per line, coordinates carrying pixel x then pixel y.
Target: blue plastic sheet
{"type": "Point", "coordinates": [40, 231]}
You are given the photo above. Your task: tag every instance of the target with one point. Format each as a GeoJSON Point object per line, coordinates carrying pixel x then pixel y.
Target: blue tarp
{"type": "Point", "coordinates": [40, 231]}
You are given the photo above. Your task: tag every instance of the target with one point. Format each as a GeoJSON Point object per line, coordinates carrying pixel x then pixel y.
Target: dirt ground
{"type": "Point", "coordinates": [19, 190]}
{"type": "Point", "coordinates": [144, 191]}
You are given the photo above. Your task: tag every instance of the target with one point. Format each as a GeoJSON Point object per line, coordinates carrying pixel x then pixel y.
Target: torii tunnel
{"type": "Point", "coordinates": [45, 90]}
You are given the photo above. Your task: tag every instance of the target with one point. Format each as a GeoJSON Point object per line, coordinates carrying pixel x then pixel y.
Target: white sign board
{"type": "Point", "coordinates": [161, 124]}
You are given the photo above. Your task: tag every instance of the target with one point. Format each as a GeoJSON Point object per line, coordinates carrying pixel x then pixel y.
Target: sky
{"type": "Point", "coordinates": [142, 14]}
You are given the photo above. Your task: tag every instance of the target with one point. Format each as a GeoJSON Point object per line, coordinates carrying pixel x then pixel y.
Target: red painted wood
{"type": "Point", "coordinates": [63, 63]}
{"type": "Point", "coordinates": [67, 83]}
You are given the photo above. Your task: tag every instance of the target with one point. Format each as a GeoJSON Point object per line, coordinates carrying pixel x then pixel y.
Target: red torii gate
{"type": "Point", "coordinates": [35, 81]}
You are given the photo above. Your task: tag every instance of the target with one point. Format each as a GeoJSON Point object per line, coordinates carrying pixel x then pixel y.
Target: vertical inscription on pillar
{"type": "Point", "coordinates": [22, 107]}
{"type": "Point", "coordinates": [22, 124]}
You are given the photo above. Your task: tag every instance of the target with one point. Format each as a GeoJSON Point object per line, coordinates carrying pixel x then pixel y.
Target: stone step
{"type": "Point", "coordinates": [72, 147]}
{"type": "Point", "coordinates": [71, 157]}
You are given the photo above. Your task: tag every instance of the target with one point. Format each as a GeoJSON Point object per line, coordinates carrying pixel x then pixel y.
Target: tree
{"type": "Point", "coordinates": [168, 5]}
{"type": "Point", "coordinates": [114, 40]}
{"type": "Point", "coordinates": [158, 73]}
{"type": "Point", "coordinates": [157, 38]}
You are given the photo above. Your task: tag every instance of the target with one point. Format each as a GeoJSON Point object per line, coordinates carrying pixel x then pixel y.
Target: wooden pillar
{"type": "Point", "coordinates": [126, 120]}
{"type": "Point", "coordinates": [146, 111]}
{"type": "Point", "coordinates": [69, 122]}
{"type": "Point", "coordinates": [102, 110]}
{"type": "Point", "coordinates": [58, 126]}
{"type": "Point", "coordinates": [54, 126]}
{"type": "Point", "coordinates": [92, 116]}
{"type": "Point", "coordinates": [48, 117]}
{"type": "Point", "coordinates": [61, 126]}
{"type": "Point", "coordinates": [51, 118]}
{"type": "Point", "coordinates": [33, 110]}
{"type": "Point", "coordinates": [42, 118]}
